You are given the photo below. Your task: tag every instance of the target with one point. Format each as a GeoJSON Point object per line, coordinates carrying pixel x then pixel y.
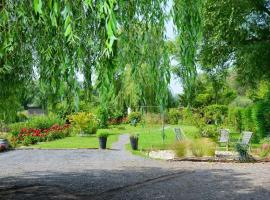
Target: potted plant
{"type": "Point", "coordinates": [134, 141]}
{"type": "Point", "coordinates": [102, 137]}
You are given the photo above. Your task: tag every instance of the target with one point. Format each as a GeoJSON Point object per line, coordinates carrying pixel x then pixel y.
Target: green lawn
{"type": "Point", "coordinates": [150, 137]}
{"type": "Point", "coordinates": [75, 142]}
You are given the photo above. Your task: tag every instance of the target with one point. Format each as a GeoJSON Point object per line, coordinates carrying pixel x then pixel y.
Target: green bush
{"type": "Point", "coordinates": [44, 121]}
{"type": "Point", "coordinates": [241, 101]}
{"type": "Point", "coordinates": [15, 128]}
{"type": "Point", "coordinates": [203, 147]}
{"type": "Point", "coordinates": [209, 131]}
{"type": "Point", "coordinates": [174, 116]}
{"type": "Point", "coordinates": [235, 117]}
{"type": "Point", "coordinates": [134, 116]}
{"type": "Point", "coordinates": [215, 114]}
{"type": "Point", "coordinates": [187, 116]}
{"type": "Point", "coordinates": [83, 122]}
{"type": "Point", "coordinates": [181, 148]}
{"type": "Point", "coordinates": [262, 119]}
{"type": "Point", "coordinates": [22, 116]}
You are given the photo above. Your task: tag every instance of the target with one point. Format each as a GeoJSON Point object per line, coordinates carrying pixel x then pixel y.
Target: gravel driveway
{"type": "Point", "coordinates": [116, 174]}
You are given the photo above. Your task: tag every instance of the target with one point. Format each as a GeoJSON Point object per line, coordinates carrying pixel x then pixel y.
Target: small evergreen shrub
{"type": "Point", "coordinates": [174, 115]}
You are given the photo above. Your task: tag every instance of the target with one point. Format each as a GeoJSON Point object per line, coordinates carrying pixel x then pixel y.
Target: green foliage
{"type": "Point", "coordinates": [243, 152]}
{"type": "Point", "coordinates": [264, 150]}
{"type": "Point", "coordinates": [187, 18]}
{"type": "Point", "coordinates": [229, 31]}
{"type": "Point", "coordinates": [103, 116]}
{"type": "Point", "coordinates": [103, 134]}
{"type": "Point", "coordinates": [241, 101]}
{"type": "Point", "coordinates": [134, 116]}
{"type": "Point", "coordinates": [215, 114]}
{"type": "Point", "coordinates": [83, 122]}
{"type": "Point", "coordinates": [187, 116]}
{"type": "Point", "coordinates": [262, 118]}
{"type": "Point", "coordinates": [174, 115]}
{"type": "Point", "coordinates": [44, 121]}
{"type": "Point", "coordinates": [135, 136]}
{"type": "Point", "coordinates": [203, 147]}
{"type": "Point", "coordinates": [152, 118]}
{"type": "Point", "coordinates": [15, 128]}
{"type": "Point", "coordinates": [22, 116]}
{"type": "Point", "coordinates": [209, 131]}
{"type": "Point", "coordinates": [198, 147]}
{"type": "Point", "coordinates": [181, 148]}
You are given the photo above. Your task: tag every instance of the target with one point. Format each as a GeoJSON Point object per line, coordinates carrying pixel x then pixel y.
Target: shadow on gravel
{"type": "Point", "coordinates": [133, 183]}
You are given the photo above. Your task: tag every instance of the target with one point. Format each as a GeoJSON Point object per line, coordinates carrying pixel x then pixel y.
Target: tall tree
{"type": "Point", "coordinates": [187, 18]}
{"type": "Point", "coordinates": [237, 32]}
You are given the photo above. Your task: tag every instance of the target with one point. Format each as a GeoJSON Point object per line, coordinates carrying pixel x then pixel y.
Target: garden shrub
{"type": "Point", "coordinates": [116, 118]}
{"type": "Point", "coordinates": [103, 116]}
{"type": "Point", "coordinates": [198, 147]}
{"type": "Point", "coordinates": [62, 109]}
{"type": "Point", "coordinates": [262, 119]}
{"type": "Point", "coordinates": [15, 128]}
{"type": "Point", "coordinates": [44, 121]}
{"type": "Point", "coordinates": [22, 116]}
{"type": "Point", "coordinates": [174, 116]}
{"type": "Point", "coordinates": [83, 122]}
{"type": "Point", "coordinates": [215, 114]}
{"type": "Point", "coordinates": [203, 147]}
{"type": "Point", "coordinates": [28, 136]}
{"type": "Point", "coordinates": [181, 148]}
{"type": "Point", "coordinates": [187, 116]}
{"type": "Point", "coordinates": [152, 118]}
{"type": "Point", "coordinates": [134, 116]}
{"type": "Point", "coordinates": [210, 131]}
{"type": "Point", "coordinates": [241, 101]}
{"type": "Point", "coordinates": [235, 117]}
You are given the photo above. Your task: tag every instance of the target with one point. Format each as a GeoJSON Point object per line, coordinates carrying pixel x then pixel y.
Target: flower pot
{"type": "Point", "coordinates": [102, 142]}
{"type": "Point", "coordinates": [3, 144]}
{"type": "Point", "coordinates": [134, 143]}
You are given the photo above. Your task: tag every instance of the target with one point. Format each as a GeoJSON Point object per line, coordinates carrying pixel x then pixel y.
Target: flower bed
{"type": "Point", "coordinates": [28, 136]}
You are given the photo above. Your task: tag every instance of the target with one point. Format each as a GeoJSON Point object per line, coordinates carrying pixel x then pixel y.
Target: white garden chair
{"type": "Point", "coordinates": [224, 137]}
{"type": "Point", "coordinates": [245, 138]}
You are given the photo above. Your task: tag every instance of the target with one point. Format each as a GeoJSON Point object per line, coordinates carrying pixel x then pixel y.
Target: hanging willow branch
{"type": "Point", "coordinates": [187, 18]}
{"type": "Point", "coordinates": [51, 41]}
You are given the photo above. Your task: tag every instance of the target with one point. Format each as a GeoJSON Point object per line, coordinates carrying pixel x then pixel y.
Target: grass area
{"type": "Point", "coordinates": [150, 137]}
{"type": "Point", "coordinates": [76, 142]}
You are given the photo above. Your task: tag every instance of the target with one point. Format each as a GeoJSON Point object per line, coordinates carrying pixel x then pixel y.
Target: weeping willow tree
{"type": "Point", "coordinates": [51, 41]}
{"type": "Point", "coordinates": [187, 18]}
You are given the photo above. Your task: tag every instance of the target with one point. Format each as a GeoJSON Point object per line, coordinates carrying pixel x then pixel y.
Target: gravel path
{"type": "Point", "coordinates": [116, 174]}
